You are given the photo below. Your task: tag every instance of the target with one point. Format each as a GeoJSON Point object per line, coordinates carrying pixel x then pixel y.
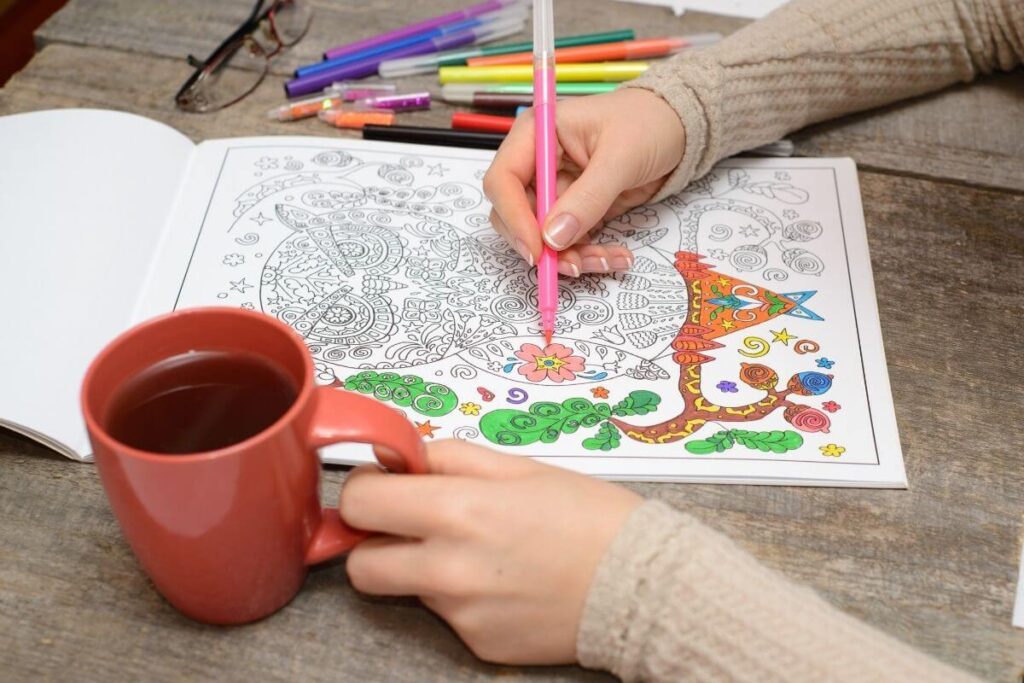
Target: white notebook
{"type": "Point", "coordinates": [744, 346]}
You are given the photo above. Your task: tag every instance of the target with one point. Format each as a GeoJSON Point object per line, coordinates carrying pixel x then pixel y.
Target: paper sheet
{"type": "Point", "coordinates": [84, 196]}
{"type": "Point", "coordinates": [759, 361]}
{"type": "Point", "coordinates": [750, 9]}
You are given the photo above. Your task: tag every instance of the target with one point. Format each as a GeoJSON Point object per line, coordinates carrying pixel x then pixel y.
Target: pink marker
{"type": "Point", "coordinates": [546, 149]}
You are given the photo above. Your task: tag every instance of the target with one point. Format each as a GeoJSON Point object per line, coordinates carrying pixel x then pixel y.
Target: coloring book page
{"type": "Point", "coordinates": [744, 344]}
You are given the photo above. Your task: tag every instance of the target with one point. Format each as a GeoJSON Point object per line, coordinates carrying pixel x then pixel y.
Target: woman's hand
{"type": "Point", "coordinates": [615, 151]}
{"type": "Point", "coordinates": [501, 547]}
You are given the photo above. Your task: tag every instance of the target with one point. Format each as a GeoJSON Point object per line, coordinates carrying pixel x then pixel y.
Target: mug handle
{"type": "Point", "coordinates": [345, 416]}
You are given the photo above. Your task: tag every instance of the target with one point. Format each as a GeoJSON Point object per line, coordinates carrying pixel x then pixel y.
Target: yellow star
{"type": "Point", "coordinates": [724, 281]}
{"type": "Point", "coordinates": [782, 336]}
{"type": "Point", "coordinates": [426, 429]}
{"type": "Point", "coordinates": [728, 325]}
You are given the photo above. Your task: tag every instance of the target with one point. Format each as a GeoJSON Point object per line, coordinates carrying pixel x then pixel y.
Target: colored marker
{"type": "Point", "coordinates": [331, 98]}
{"type": "Point", "coordinates": [346, 118]}
{"type": "Point", "coordinates": [463, 93]}
{"type": "Point", "coordinates": [523, 73]}
{"type": "Point", "coordinates": [433, 136]}
{"type": "Point", "coordinates": [418, 28]}
{"type": "Point", "coordinates": [392, 68]}
{"type": "Point", "coordinates": [500, 100]}
{"type": "Point", "coordinates": [383, 51]}
{"type": "Point", "coordinates": [546, 147]}
{"type": "Point", "coordinates": [410, 102]}
{"type": "Point", "coordinates": [487, 123]}
{"type": "Point", "coordinates": [367, 67]}
{"type": "Point", "coordinates": [608, 52]}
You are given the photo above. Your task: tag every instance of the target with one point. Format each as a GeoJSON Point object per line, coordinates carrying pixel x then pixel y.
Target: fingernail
{"type": "Point", "coordinates": [595, 264]}
{"type": "Point", "coordinates": [562, 231]}
{"type": "Point", "coordinates": [524, 251]}
{"type": "Point", "coordinates": [568, 269]}
{"type": "Point", "coordinates": [622, 263]}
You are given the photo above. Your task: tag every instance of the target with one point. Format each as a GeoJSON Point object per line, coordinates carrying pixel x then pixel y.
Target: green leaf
{"type": "Point", "coordinates": [545, 421]}
{"type": "Point", "coordinates": [406, 391]}
{"type": "Point", "coordinates": [606, 439]}
{"type": "Point", "coordinates": [638, 402]}
{"type": "Point", "coordinates": [777, 441]}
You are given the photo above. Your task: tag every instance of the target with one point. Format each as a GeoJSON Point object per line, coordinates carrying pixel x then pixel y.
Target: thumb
{"type": "Point", "coordinates": [456, 457]}
{"type": "Point", "coordinates": [584, 203]}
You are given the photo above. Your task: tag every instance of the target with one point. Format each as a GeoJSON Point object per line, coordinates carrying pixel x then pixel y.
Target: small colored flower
{"type": "Point", "coordinates": [554, 362]}
{"type": "Point", "coordinates": [728, 387]}
{"type": "Point", "coordinates": [599, 392]}
{"type": "Point", "coordinates": [470, 408]}
{"type": "Point", "coordinates": [825, 363]}
{"type": "Point", "coordinates": [831, 406]}
{"type": "Point", "coordinates": [831, 450]}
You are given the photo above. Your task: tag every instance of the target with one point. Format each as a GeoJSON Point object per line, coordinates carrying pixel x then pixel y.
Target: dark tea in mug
{"type": "Point", "coordinates": [199, 401]}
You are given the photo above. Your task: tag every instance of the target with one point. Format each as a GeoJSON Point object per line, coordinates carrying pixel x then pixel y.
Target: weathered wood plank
{"type": "Point", "coordinates": [934, 565]}
{"type": "Point", "coordinates": [968, 134]}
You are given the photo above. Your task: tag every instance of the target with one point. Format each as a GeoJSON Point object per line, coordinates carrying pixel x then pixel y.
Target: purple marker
{"type": "Point", "coordinates": [421, 27]}
{"type": "Point", "coordinates": [409, 102]}
{"type": "Point", "coordinates": [368, 67]}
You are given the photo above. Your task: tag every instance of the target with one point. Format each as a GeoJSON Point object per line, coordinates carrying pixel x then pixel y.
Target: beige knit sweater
{"type": "Point", "coordinates": [673, 600]}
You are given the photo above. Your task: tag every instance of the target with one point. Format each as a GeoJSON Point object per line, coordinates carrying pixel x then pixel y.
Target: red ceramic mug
{"type": "Point", "coordinates": [227, 535]}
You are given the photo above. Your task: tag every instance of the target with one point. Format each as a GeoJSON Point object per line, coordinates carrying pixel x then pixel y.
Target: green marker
{"type": "Point", "coordinates": [464, 93]}
{"type": "Point", "coordinates": [424, 64]}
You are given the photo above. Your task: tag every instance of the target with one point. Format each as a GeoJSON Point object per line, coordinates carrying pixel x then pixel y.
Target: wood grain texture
{"type": "Point", "coordinates": [934, 565]}
{"type": "Point", "coordinates": [967, 134]}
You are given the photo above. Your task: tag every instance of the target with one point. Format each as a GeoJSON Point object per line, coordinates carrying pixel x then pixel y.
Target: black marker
{"type": "Point", "coordinates": [433, 136]}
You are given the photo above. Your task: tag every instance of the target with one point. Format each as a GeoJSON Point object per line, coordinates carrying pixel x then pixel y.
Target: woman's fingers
{"type": "Point", "coordinates": [385, 565]}
{"type": "Point", "coordinates": [506, 183]}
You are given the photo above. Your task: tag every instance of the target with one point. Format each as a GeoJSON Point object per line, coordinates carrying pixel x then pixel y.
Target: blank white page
{"type": "Point", "coordinates": [84, 195]}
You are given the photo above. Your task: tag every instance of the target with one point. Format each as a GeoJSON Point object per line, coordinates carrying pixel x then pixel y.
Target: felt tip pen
{"type": "Point", "coordinates": [463, 93]}
{"type": "Point", "coordinates": [513, 14]}
{"type": "Point", "coordinates": [546, 151]}
{"type": "Point", "coordinates": [367, 67]}
{"type": "Point", "coordinates": [424, 64]}
{"type": "Point", "coordinates": [501, 100]}
{"type": "Point", "coordinates": [332, 97]}
{"type": "Point", "coordinates": [418, 27]}
{"type": "Point", "coordinates": [487, 123]}
{"type": "Point", "coordinates": [404, 102]}
{"type": "Point", "coordinates": [433, 136]}
{"type": "Point", "coordinates": [347, 118]}
{"type": "Point", "coordinates": [608, 52]}
{"type": "Point", "coordinates": [523, 73]}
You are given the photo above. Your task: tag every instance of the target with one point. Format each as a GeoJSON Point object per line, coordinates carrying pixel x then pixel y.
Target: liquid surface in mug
{"type": "Point", "coordinates": [199, 401]}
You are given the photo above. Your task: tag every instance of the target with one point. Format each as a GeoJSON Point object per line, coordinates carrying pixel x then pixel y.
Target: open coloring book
{"type": "Point", "coordinates": [744, 345]}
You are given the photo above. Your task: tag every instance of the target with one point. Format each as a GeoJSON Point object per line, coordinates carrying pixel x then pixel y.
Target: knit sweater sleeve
{"type": "Point", "coordinates": [673, 600]}
{"type": "Point", "coordinates": [812, 60]}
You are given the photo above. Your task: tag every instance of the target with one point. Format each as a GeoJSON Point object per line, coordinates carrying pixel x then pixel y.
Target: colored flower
{"type": "Point", "coordinates": [554, 362]}
{"type": "Point", "coordinates": [831, 406]}
{"type": "Point", "coordinates": [831, 450]}
{"type": "Point", "coordinates": [728, 387]}
{"type": "Point", "coordinates": [825, 363]}
{"type": "Point", "coordinates": [470, 408]}
{"type": "Point", "coordinates": [599, 392]}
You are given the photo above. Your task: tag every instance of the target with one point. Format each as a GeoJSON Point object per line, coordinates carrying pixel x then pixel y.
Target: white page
{"type": "Point", "coordinates": [382, 256]}
{"type": "Point", "coordinates": [749, 9]}
{"type": "Point", "coordinates": [84, 195]}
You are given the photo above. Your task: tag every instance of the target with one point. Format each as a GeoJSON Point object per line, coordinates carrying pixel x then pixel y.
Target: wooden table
{"type": "Point", "coordinates": [943, 185]}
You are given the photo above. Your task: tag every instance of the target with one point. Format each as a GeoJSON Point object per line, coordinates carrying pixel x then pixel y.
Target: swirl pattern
{"type": "Point", "coordinates": [807, 419]}
{"type": "Point", "coordinates": [809, 383]}
{"type": "Point", "coordinates": [758, 347]}
{"type": "Point", "coordinates": [803, 261]}
{"type": "Point", "coordinates": [758, 376]}
{"type": "Point", "coordinates": [748, 257]}
{"type": "Point", "coordinates": [804, 346]}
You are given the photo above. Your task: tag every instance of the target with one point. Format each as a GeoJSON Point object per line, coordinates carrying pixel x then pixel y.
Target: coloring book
{"type": "Point", "coordinates": [743, 346]}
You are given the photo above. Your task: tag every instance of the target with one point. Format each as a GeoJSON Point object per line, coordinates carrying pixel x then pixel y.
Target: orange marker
{"type": "Point", "coordinates": [606, 52]}
{"type": "Point", "coordinates": [346, 118]}
{"type": "Point", "coordinates": [483, 122]}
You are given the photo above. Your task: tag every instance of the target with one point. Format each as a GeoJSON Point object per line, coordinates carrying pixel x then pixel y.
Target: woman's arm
{"type": "Point", "coordinates": [673, 600]}
{"type": "Point", "coordinates": [813, 60]}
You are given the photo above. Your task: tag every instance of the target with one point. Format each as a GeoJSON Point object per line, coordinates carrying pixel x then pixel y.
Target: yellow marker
{"type": "Point", "coordinates": [523, 73]}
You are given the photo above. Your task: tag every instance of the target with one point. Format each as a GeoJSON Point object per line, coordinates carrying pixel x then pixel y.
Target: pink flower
{"type": "Point", "coordinates": [554, 362]}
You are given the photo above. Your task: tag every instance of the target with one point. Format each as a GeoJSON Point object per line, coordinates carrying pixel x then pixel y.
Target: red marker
{"type": "Point", "coordinates": [483, 122]}
{"type": "Point", "coordinates": [606, 52]}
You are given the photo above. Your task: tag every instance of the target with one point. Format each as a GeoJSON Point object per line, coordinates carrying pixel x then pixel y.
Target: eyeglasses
{"type": "Point", "coordinates": [240, 63]}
